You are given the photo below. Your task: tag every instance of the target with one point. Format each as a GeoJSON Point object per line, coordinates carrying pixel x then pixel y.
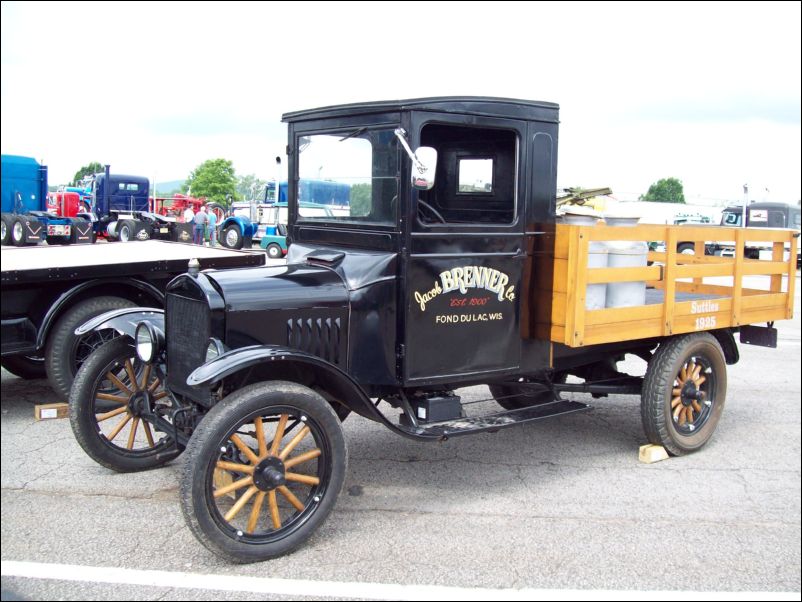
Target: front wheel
{"type": "Point", "coordinates": [684, 392]}
{"type": "Point", "coordinates": [112, 392]}
{"type": "Point", "coordinates": [232, 237]}
{"type": "Point", "coordinates": [263, 471]}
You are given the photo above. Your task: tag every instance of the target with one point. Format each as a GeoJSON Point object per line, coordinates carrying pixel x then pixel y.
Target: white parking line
{"type": "Point", "coordinates": [337, 589]}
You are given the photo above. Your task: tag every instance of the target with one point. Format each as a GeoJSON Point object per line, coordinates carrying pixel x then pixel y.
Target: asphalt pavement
{"type": "Point", "coordinates": [559, 509]}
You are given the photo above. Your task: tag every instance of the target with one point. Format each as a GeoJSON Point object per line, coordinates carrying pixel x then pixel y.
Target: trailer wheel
{"type": "Point", "coordinates": [65, 352]}
{"type": "Point", "coordinates": [112, 390]}
{"type": "Point", "coordinates": [24, 366]}
{"type": "Point", "coordinates": [684, 392]}
{"type": "Point", "coordinates": [263, 471]}
{"type": "Point", "coordinates": [232, 237]}
{"type": "Point", "coordinates": [514, 397]}
{"type": "Point", "coordinates": [5, 229]}
{"type": "Point", "coordinates": [274, 251]}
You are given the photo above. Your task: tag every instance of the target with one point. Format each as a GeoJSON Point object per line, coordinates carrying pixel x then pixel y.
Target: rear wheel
{"type": "Point", "coordinates": [684, 393]}
{"type": "Point", "coordinates": [65, 351]}
{"type": "Point", "coordinates": [125, 230]}
{"type": "Point", "coordinates": [18, 232]}
{"type": "Point", "coordinates": [263, 471]}
{"type": "Point", "coordinates": [5, 229]}
{"type": "Point", "coordinates": [274, 251]}
{"type": "Point", "coordinates": [26, 367]}
{"type": "Point", "coordinates": [112, 391]}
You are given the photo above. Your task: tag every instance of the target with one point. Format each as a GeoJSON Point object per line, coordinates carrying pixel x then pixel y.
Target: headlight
{"type": "Point", "coordinates": [148, 341]}
{"type": "Point", "coordinates": [214, 349]}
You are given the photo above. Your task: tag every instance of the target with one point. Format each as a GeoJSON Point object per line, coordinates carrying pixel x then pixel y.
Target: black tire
{"type": "Point", "coordinates": [218, 210]}
{"type": "Point", "coordinates": [125, 230]}
{"type": "Point", "coordinates": [26, 367]}
{"type": "Point", "coordinates": [274, 251]}
{"type": "Point", "coordinates": [105, 415]}
{"type": "Point", "coordinates": [513, 397]}
{"type": "Point", "coordinates": [5, 229]}
{"type": "Point", "coordinates": [65, 352]}
{"type": "Point", "coordinates": [686, 248]}
{"type": "Point", "coordinates": [259, 534]}
{"type": "Point", "coordinates": [232, 237]}
{"type": "Point", "coordinates": [674, 413]}
{"type": "Point", "coordinates": [17, 235]}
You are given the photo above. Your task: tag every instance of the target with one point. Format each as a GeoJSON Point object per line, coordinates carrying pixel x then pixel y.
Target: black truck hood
{"type": "Point", "coordinates": [298, 286]}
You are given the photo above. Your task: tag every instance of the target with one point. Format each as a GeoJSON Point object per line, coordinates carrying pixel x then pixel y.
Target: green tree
{"type": "Point", "coordinates": [360, 200]}
{"type": "Point", "coordinates": [87, 170]}
{"type": "Point", "coordinates": [214, 179]}
{"type": "Point", "coordinates": [250, 187]}
{"type": "Point", "coordinates": [667, 190]}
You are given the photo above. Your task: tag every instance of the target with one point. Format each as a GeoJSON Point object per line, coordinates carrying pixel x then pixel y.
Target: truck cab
{"type": "Point", "coordinates": [430, 269]}
{"type": "Point", "coordinates": [762, 215]}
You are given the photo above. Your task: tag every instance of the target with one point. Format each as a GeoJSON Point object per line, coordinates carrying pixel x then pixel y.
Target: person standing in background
{"type": "Point", "coordinates": [189, 215]}
{"type": "Point", "coordinates": [201, 219]}
{"type": "Point", "coordinates": [212, 216]}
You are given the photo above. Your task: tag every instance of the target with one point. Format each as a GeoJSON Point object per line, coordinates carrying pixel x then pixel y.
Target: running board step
{"type": "Point", "coordinates": [494, 422]}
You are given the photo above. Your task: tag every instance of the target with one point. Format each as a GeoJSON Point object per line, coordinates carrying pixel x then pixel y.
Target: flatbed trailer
{"type": "Point", "coordinates": [47, 292]}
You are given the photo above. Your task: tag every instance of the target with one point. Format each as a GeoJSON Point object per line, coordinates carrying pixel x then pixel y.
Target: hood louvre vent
{"type": "Point", "coordinates": [321, 337]}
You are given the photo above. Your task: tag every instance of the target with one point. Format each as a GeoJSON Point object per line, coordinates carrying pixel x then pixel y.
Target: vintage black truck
{"type": "Point", "coordinates": [448, 269]}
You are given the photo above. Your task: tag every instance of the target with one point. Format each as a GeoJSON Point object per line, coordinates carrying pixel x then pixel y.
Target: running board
{"type": "Point", "coordinates": [493, 422]}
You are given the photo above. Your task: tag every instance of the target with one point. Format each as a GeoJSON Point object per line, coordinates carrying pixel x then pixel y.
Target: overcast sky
{"type": "Point", "coordinates": [707, 93]}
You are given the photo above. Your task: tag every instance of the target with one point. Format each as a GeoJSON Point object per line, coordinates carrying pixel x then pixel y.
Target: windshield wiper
{"type": "Point", "coordinates": [352, 134]}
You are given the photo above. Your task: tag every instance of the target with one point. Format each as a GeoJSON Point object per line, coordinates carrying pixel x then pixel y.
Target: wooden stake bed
{"type": "Point", "coordinates": [682, 296]}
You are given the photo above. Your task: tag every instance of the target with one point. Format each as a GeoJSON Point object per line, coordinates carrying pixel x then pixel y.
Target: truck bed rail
{"type": "Point", "coordinates": [685, 293]}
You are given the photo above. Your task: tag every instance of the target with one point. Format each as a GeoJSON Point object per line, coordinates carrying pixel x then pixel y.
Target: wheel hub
{"type": "Point", "coordinates": [139, 403]}
{"type": "Point", "coordinates": [269, 474]}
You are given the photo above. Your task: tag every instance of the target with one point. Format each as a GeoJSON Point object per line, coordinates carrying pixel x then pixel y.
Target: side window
{"type": "Point", "coordinates": [476, 176]}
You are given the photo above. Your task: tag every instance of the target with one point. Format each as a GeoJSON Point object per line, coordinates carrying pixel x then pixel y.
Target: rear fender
{"type": "Point", "coordinates": [726, 339]}
{"type": "Point", "coordinates": [124, 321]}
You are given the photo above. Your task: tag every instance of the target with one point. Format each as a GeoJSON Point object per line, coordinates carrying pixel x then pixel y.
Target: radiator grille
{"type": "Point", "coordinates": [188, 326]}
{"type": "Point", "coordinates": [319, 336]}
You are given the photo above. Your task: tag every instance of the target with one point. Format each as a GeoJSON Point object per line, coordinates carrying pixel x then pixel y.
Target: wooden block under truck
{"type": "Point", "coordinates": [448, 269]}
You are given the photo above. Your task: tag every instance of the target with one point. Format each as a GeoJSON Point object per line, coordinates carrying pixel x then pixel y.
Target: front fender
{"type": "Point", "coordinates": [124, 321]}
{"type": "Point", "coordinates": [347, 390]}
{"type": "Point", "coordinates": [246, 227]}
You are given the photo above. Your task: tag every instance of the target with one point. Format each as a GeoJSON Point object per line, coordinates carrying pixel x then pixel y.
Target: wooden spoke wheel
{"type": "Point", "coordinates": [112, 392]}
{"type": "Point", "coordinates": [684, 393]}
{"type": "Point", "coordinates": [264, 469]}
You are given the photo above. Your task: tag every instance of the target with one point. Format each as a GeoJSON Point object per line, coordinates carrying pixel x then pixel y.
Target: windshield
{"type": "Point", "coordinates": [730, 219]}
{"type": "Point", "coordinates": [351, 176]}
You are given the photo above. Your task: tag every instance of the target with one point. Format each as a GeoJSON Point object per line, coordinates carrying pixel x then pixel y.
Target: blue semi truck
{"type": "Point", "coordinates": [26, 219]}
{"type": "Point", "coordinates": [254, 220]}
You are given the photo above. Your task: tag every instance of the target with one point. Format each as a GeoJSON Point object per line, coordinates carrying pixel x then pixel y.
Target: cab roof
{"type": "Point", "coordinates": [528, 110]}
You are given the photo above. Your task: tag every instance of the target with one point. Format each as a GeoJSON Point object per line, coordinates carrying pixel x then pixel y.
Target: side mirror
{"type": "Point", "coordinates": [424, 169]}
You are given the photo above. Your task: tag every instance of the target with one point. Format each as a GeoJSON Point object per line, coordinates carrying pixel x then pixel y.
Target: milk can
{"type": "Point", "coordinates": [626, 254]}
{"type": "Point", "coordinates": [596, 294]}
